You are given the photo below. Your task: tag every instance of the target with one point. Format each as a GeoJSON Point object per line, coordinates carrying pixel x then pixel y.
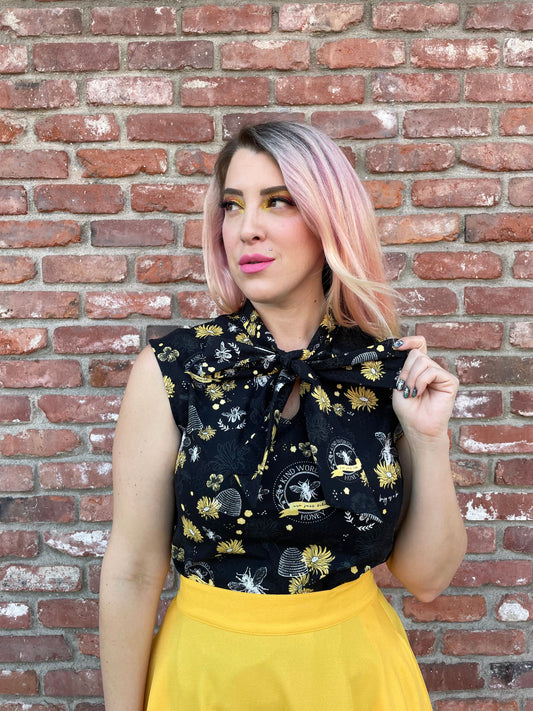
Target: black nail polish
{"type": "Point", "coordinates": [406, 391]}
{"type": "Point", "coordinates": [414, 393]}
{"type": "Point", "coordinates": [398, 343]}
{"type": "Point", "coordinates": [400, 385]}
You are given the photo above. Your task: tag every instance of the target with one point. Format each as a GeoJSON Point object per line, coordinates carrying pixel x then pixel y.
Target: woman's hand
{"type": "Point", "coordinates": [425, 393]}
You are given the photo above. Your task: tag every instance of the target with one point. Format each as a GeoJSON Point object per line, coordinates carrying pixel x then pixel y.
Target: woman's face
{"type": "Point", "coordinates": [272, 255]}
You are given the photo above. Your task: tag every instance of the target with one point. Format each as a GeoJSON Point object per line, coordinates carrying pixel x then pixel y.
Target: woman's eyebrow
{"type": "Point", "coordinates": [265, 191]}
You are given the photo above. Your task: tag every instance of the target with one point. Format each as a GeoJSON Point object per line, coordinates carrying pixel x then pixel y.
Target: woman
{"type": "Point", "coordinates": [296, 426]}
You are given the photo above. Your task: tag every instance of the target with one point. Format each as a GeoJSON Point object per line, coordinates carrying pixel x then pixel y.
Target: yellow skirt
{"type": "Point", "coordinates": [344, 649]}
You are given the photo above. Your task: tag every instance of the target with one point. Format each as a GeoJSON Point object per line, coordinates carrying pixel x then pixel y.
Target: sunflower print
{"type": "Point", "coordinates": [214, 391]}
{"type": "Point", "coordinates": [180, 460]}
{"type": "Point", "coordinates": [362, 398]}
{"type": "Point", "coordinates": [169, 386]}
{"type": "Point", "coordinates": [372, 370]}
{"type": "Point", "coordinates": [234, 546]}
{"type": "Point", "coordinates": [208, 508]}
{"type": "Point", "coordinates": [190, 531]}
{"type": "Point", "coordinates": [206, 330]}
{"type": "Point", "coordinates": [297, 585]}
{"type": "Point", "coordinates": [318, 559]}
{"type": "Point", "coordinates": [322, 399]}
{"type": "Point", "coordinates": [207, 433]}
{"type": "Point", "coordinates": [388, 474]}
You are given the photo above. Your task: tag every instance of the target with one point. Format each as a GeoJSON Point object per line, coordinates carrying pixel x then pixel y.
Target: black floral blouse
{"type": "Point", "coordinates": [270, 505]}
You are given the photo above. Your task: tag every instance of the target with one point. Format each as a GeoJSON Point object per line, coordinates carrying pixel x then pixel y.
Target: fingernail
{"type": "Point", "coordinates": [400, 385]}
{"type": "Point", "coordinates": [414, 393]}
{"type": "Point", "coordinates": [397, 344]}
{"type": "Point", "coordinates": [406, 392]}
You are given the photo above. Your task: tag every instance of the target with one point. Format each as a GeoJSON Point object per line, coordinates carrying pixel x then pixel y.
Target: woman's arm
{"type": "Point", "coordinates": [138, 555]}
{"type": "Point", "coordinates": [431, 541]}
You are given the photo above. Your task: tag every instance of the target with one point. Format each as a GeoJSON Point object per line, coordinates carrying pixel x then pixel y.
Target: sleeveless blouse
{"type": "Point", "coordinates": [264, 504]}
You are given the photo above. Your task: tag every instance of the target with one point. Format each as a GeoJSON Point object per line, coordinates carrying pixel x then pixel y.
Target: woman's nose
{"type": "Point", "coordinates": [251, 225]}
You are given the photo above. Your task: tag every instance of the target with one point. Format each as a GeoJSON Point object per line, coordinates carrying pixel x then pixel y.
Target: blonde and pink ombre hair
{"type": "Point", "coordinates": [335, 207]}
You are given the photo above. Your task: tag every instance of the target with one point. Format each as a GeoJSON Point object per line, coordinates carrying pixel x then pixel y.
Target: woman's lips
{"type": "Point", "coordinates": [251, 263]}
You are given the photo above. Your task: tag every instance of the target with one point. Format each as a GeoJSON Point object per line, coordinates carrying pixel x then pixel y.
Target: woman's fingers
{"type": "Point", "coordinates": [419, 371]}
{"type": "Point", "coordinates": [410, 343]}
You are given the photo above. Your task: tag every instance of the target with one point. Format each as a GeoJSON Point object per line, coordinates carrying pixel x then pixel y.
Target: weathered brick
{"type": "Point", "coordinates": [109, 373]}
{"type": "Point", "coordinates": [67, 682]}
{"type": "Point", "coordinates": [492, 439]}
{"type": "Point", "coordinates": [457, 265]}
{"type": "Point", "coordinates": [460, 643]}
{"type": "Point", "coordinates": [69, 128]}
{"type": "Point", "coordinates": [19, 682]}
{"type": "Point", "coordinates": [395, 263]}
{"type": "Point", "coordinates": [75, 408]}
{"type": "Point", "coordinates": [478, 403]}
{"type": "Point", "coordinates": [518, 52]}
{"type": "Point", "coordinates": [216, 19]}
{"type": "Point", "coordinates": [172, 198]}
{"type": "Point", "coordinates": [516, 122]}
{"type": "Point", "coordinates": [122, 162]}
{"type": "Point", "coordinates": [78, 544]}
{"type": "Point", "coordinates": [19, 341]}
{"type": "Point", "coordinates": [14, 408]}
{"type": "Point", "coordinates": [522, 403]}
{"type": "Point", "coordinates": [355, 52]}
{"type": "Point", "coordinates": [15, 270]}
{"type": "Point", "coordinates": [34, 648]}
{"type": "Point", "coordinates": [170, 128]}
{"type": "Point", "coordinates": [19, 164]}
{"type": "Point", "coordinates": [521, 334]}
{"type": "Point", "coordinates": [427, 301]}
{"type": "Point", "coordinates": [68, 613]}
{"type": "Point", "coordinates": [75, 475]}
{"type": "Point", "coordinates": [515, 607]}
{"type": "Point", "coordinates": [498, 88]}
{"type": "Point", "coordinates": [466, 472]}
{"type": "Point", "coordinates": [163, 269]}
{"type": "Point", "coordinates": [446, 608]}
{"type": "Point", "coordinates": [319, 17]}
{"type": "Point", "coordinates": [195, 162]}
{"type": "Point", "coordinates": [502, 227]}
{"type": "Point", "coordinates": [36, 21]}
{"type": "Point", "coordinates": [171, 55]}
{"type": "Point", "coordinates": [451, 677]}
{"type": "Point", "coordinates": [106, 304]}
{"type": "Point", "coordinates": [39, 304]}
{"type": "Point", "coordinates": [305, 90]}
{"type": "Point", "coordinates": [413, 17]}
{"type": "Point", "coordinates": [101, 439]}
{"type": "Point", "coordinates": [13, 200]}
{"type": "Point", "coordinates": [499, 156]}
{"type": "Point", "coordinates": [192, 235]}
{"type": "Point", "coordinates": [47, 94]}
{"type": "Point", "coordinates": [385, 194]}
{"type": "Point", "coordinates": [14, 615]}
{"type": "Point", "coordinates": [456, 192]}
{"type": "Point", "coordinates": [13, 58]}
{"type": "Point", "coordinates": [225, 91]}
{"type": "Point", "coordinates": [96, 508]}
{"type": "Point", "coordinates": [133, 21]}
{"type": "Point", "coordinates": [197, 304]}
{"type": "Point", "coordinates": [513, 370]}
{"type": "Point", "coordinates": [79, 199]}
{"type": "Point", "coordinates": [130, 91]}
{"type": "Point", "coordinates": [454, 53]}
{"type": "Point", "coordinates": [10, 130]}
{"type": "Point", "coordinates": [511, 675]}
{"type": "Point", "coordinates": [89, 269]}
{"type": "Point", "coordinates": [265, 54]}
{"type": "Point", "coordinates": [521, 192]}
{"type": "Point", "coordinates": [40, 578]}
{"type": "Point", "coordinates": [453, 123]}
{"type": "Point", "coordinates": [96, 339]}
{"type": "Point", "coordinates": [514, 472]}
{"type": "Point", "coordinates": [410, 157]}
{"type": "Point", "coordinates": [500, 16]}
{"type": "Point", "coordinates": [422, 642]}
{"type": "Point", "coordinates": [75, 57]}
{"type": "Point", "coordinates": [387, 86]}
{"type": "Point", "coordinates": [20, 544]}
{"type": "Point", "coordinates": [356, 124]}
{"type": "Point", "coordinates": [499, 300]}
{"type": "Point", "coordinates": [232, 123]}
{"type": "Point", "coordinates": [462, 335]}
{"type": "Point", "coordinates": [132, 233]}
{"type": "Point", "coordinates": [40, 374]}
{"type": "Point", "coordinates": [481, 539]}
{"type": "Point", "coordinates": [88, 644]}
{"type": "Point", "coordinates": [418, 228]}
{"type": "Point", "coordinates": [519, 539]}
{"type": "Point", "coordinates": [60, 509]}
{"type": "Point", "coordinates": [16, 477]}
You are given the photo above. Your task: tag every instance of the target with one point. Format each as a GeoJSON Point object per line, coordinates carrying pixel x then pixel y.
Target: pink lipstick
{"type": "Point", "coordinates": [250, 263]}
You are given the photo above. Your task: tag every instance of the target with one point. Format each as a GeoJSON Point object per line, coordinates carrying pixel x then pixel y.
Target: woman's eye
{"type": "Point", "coordinates": [230, 206]}
{"type": "Point", "coordinates": [279, 201]}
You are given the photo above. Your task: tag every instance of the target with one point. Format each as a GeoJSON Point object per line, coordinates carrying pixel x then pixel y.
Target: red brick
{"type": "Point", "coordinates": [171, 55]}
{"type": "Point", "coordinates": [79, 199]}
{"type": "Point", "coordinates": [77, 544]}
{"type": "Point", "coordinates": [96, 508]}
{"type": "Point", "coordinates": [385, 194]}
{"type": "Point", "coordinates": [305, 90]}
{"type": "Point", "coordinates": [483, 642]}
{"type": "Point", "coordinates": [454, 53]}
{"type": "Point", "coordinates": [19, 341]}
{"type": "Point", "coordinates": [465, 336]}
{"type": "Point", "coordinates": [38, 304]}
{"type": "Point", "coordinates": [514, 472]}
{"type": "Point", "coordinates": [467, 472]}
{"type": "Point", "coordinates": [454, 123]}
{"type": "Point", "coordinates": [67, 682]}
{"type": "Point", "coordinates": [512, 227]}
{"type": "Point", "coordinates": [415, 87]}
{"type": "Point", "coordinates": [170, 128]}
{"type": "Point", "coordinates": [106, 304]}
{"type": "Point", "coordinates": [522, 403]}
{"type": "Point", "coordinates": [500, 16]}
{"type": "Point", "coordinates": [225, 91]}
{"type": "Point", "coordinates": [172, 198]}
{"type": "Point", "coordinates": [412, 229]}
{"type": "Point", "coordinates": [232, 123]}
{"type": "Point", "coordinates": [481, 539]}
{"type": "Point", "coordinates": [356, 124]}
{"type": "Point", "coordinates": [109, 374]}
{"type": "Point", "coordinates": [21, 544]}
{"type": "Point", "coordinates": [33, 164]}
{"type": "Point", "coordinates": [36, 22]}
{"type": "Point", "coordinates": [38, 233]}
{"type": "Point", "coordinates": [498, 156]}
{"type": "Point", "coordinates": [427, 301]}
{"type": "Point", "coordinates": [511, 675]}
{"type": "Point", "coordinates": [75, 408]}
{"type": "Point", "coordinates": [197, 304]}
{"type": "Point", "coordinates": [478, 403]}
{"type": "Point", "coordinates": [456, 192]}
{"type": "Point", "coordinates": [195, 162]}
{"type": "Point", "coordinates": [14, 408]}
{"type": "Point", "coordinates": [494, 369]}
{"type": "Point", "coordinates": [60, 509]}
{"type": "Point", "coordinates": [422, 642]}
{"type": "Point", "coordinates": [16, 477]}
{"type": "Point", "coordinates": [354, 52]}
{"type": "Point", "coordinates": [163, 269]}
{"type": "Point", "coordinates": [10, 130]}
{"type": "Point", "coordinates": [69, 128]}
{"type": "Point", "coordinates": [521, 334]}
{"type": "Point", "coordinates": [88, 269]}
{"type": "Point", "coordinates": [217, 19]}
{"type": "Point", "coordinates": [519, 539]}
{"type": "Point", "coordinates": [413, 17]}
{"type": "Point", "coordinates": [130, 91]}
{"type": "Point", "coordinates": [90, 707]}
{"type": "Point", "coordinates": [132, 233]}
{"type": "Point", "coordinates": [498, 88]}
{"type": "Point", "coordinates": [13, 59]}
{"type": "Point", "coordinates": [410, 157]}
{"type": "Point", "coordinates": [75, 57]}
{"type": "Point", "coordinates": [521, 192]}
{"type": "Point", "coordinates": [44, 578]}
{"type": "Point", "coordinates": [47, 94]}
{"type": "Point", "coordinates": [265, 54]}
{"type": "Point", "coordinates": [68, 613]}
{"type": "Point", "coordinates": [13, 200]}
{"type": "Point", "coordinates": [508, 439]}
{"type": "Point", "coordinates": [518, 52]}
{"type": "Point", "coordinates": [119, 163]}
{"type": "Point", "coordinates": [88, 645]}
{"type": "Point", "coordinates": [496, 505]}
{"type": "Point", "coordinates": [515, 607]}
{"type": "Point", "coordinates": [75, 475]}
{"type": "Point", "coordinates": [96, 339]}
{"type": "Point", "coordinates": [101, 439]}
{"type": "Point", "coordinates": [14, 615]}
{"type": "Point", "coordinates": [19, 683]}
{"type": "Point", "coordinates": [40, 374]}
{"type": "Point", "coordinates": [133, 21]}
{"type": "Point", "coordinates": [15, 270]}
{"type": "Point", "coordinates": [395, 263]}
{"type": "Point", "coordinates": [451, 677]}
{"type": "Point", "coordinates": [516, 122]}
{"type": "Point", "coordinates": [499, 300]}
{"type": "Point", "coordinates": [192, 236]}
{"type": "Point", "coordinates": [457, 265]}
{"type": "Point", "coordinates": [319, 17]}
{"type": "Point", "coordinates": [33, 648]}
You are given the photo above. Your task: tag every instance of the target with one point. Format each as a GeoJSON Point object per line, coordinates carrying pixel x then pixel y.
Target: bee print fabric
{"type": "Point", "coordinates": [269, 505]}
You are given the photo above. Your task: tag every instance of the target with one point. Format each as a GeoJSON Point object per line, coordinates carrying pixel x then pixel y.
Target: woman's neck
{"type": "Point", "coordinates": [292, 327]}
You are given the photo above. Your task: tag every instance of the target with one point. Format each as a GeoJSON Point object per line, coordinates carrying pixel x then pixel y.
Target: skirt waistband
{"type": "Point", "coordinates": [274, 614]}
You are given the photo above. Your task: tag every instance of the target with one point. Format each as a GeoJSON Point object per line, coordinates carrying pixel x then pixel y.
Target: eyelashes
{"type": "Point", "coordinates": [230, 205]}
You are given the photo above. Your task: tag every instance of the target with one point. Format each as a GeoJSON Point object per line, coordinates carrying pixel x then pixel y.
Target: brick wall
{"type": "Point", "coordinates": [111, 119]}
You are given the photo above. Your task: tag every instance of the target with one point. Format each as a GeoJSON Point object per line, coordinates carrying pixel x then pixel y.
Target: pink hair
{"type": "Point", "coordinates": [334, 205]}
